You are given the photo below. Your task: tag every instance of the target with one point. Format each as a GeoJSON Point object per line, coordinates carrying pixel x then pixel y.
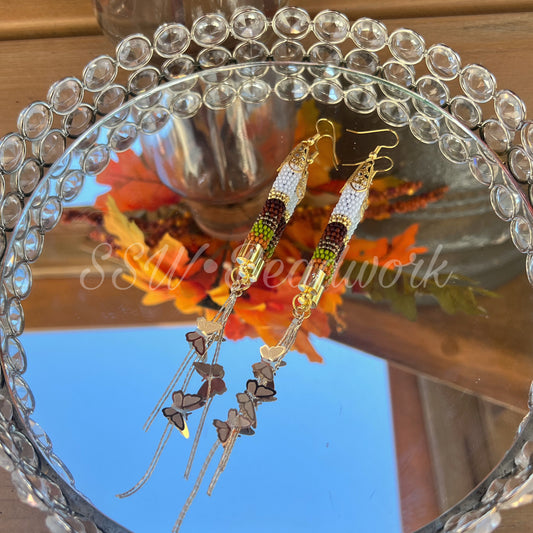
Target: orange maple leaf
{"type": "Point", "coordinates": [402, 249]}
{"type": "Point", "coordinates": [365, 250]}
{"type": "Point", "coordinates": [133, 186]}
{"type": "Point", "coordinates": [172, 258]}
{"type": "Point", "coordinates": [156, 274]}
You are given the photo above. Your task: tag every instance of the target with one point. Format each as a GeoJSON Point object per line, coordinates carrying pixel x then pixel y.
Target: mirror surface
{"type": "Point", "coordinates": [391, 439]}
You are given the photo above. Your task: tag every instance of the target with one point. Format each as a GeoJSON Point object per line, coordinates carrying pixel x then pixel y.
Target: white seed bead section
{"type": "Point", "coordinates": [350, 204]}
{"type": "Point", "coordinates": [287, 182]}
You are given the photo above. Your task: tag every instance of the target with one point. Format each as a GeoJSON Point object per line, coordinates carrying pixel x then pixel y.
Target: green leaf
{"type": "Point", "coordinates": [454, 294]}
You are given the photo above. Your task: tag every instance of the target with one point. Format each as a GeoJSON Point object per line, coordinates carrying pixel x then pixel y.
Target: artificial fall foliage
{"type": "Point", "coordinates": [170, 259]}
{"type": "Point", "coordinates": [166, 273]}
{"type": "Point", "coordinates": [134, 186]}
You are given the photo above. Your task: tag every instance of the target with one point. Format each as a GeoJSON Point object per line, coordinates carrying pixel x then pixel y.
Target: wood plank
{"type": "Point", "coordinates": [28, 69]}
{"type": "Point", "coordinates": [461, 447]}
{"type": "Point", "coordinates": [14, 515]}
{"type": "Point", "coordinates": [418, 501]}
{"type": "Point", "coordinates": [517, 520]}
{"type": "Point", "coordinates": [27, 19]}
{"type": "Point", "coordinates": [488, 356]}
{"type": "Point", "coordinates": [103, 305]}
{"type": "Point", "coordinates": [418, 8]}
{"type": "Point", "coordinates": [491, 357]}
{"type": "Point", "coordinates": [500, 42]}
{"type": "Point", "coordinates": [500, 426]}
{"type": "Point", "coordinates": [446, 442]}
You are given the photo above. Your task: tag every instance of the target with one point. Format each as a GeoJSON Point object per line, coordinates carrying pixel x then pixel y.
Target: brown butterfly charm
{"type": "Point", "coordinates": [182, 405]}
{"type": "Point", "coordinates": [264, 373]}
{"type": "Point", "coordinates": [197, 341]}
{"type": "Point", "coordinates": [236, 422]}
{"type": "Point", "coordinates": [212, 374]}
{"type": "Point", "coordinates": [217, 387]}
{"type": "Point", "coordinates": [208, 371]}
{"type": "Point", "coordinates": [254, 394]}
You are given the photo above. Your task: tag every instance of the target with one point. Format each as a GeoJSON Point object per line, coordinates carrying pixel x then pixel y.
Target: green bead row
{"type": "Point", "coordinates": [325, 254]}
{"type": "Point", "coordinates": [261, 230]}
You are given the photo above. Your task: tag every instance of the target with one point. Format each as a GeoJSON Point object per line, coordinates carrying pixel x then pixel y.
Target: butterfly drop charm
{"type": "Point", "coordinates": [272, 353]}
{"type": "Point", "coordinates": [213, 382]}
{"type": "Point", "coordinates": [254, 393]}
{"type": "Point", "coordinates": [235, 422]}
{"type": "Point", "coordinates": [207, 327]}
{"type": "Point", "coordinates": [264, 373]}
{"type": "Point", "coordinates": [209, 371]}
{"type": "Point", "coordinates": [197, 341]}
{"type": "Point", "coordinates": [182, 405]}
{"type": "Point", "coordinates": [218, 386]}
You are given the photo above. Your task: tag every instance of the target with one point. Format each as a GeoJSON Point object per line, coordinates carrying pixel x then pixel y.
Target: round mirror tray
{"type": "Point", "coordinates": [140, 396]}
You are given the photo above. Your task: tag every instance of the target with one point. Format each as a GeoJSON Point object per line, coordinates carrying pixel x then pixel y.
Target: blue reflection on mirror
{"type": "Point", "coordinates": [322, 457]}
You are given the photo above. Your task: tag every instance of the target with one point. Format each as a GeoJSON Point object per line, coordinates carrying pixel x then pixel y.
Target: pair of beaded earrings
{"type": "Point", "coordinates": [286, 193]}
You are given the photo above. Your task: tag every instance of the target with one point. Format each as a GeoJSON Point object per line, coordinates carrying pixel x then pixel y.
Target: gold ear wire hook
{"type": "Point", "coordinates": [373, 160]}
{"type": "Point", "coordinates": [362, 176]}
{"type": "Point", "coordinates": [306, 151]}
{"type": "Point", "coordinates": [319, 135]}
{"type": "Point", "coordinates": [376, 150]}
{"type": "Point", "coordinates": [388, 159]}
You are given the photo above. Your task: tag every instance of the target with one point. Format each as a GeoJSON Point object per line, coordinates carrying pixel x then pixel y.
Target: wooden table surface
{"type": "Point", "coordinates": [41, 42]}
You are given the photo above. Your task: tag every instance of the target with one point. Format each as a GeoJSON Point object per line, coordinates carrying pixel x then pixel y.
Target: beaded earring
{"type": "Point", "coordinates": [286, 193]}
{"type": "Point", "coordinates": [327, 256]}
{"type": "Point", "coordinates": [319, 273]}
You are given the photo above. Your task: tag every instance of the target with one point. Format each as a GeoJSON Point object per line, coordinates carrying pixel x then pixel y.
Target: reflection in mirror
{"type": "Point", "coordinates": [161, 195]}
{"type": "Point", "coordinates": [304, 452]}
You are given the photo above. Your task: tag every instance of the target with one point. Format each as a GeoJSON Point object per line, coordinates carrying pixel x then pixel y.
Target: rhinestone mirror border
{"type": "Point", "coordinates": [36, 478]}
